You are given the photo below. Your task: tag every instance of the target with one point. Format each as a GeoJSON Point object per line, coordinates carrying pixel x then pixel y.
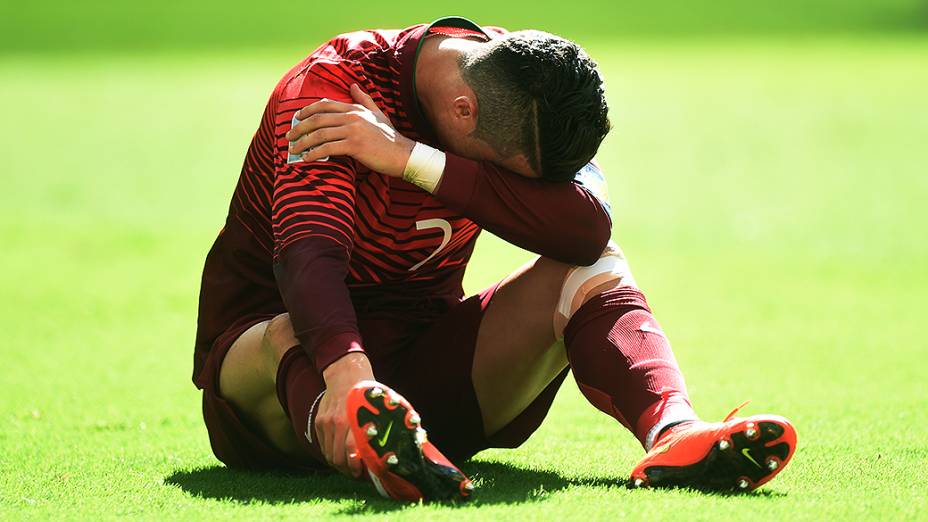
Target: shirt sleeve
{"type": "Point", "coordinates": [313, 224]}
{"type": "Point", "coordinates": [566, 221]}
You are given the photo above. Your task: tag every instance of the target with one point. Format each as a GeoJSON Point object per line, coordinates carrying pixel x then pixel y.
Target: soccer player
{"type": "Point", "coordinates": [333, 328]}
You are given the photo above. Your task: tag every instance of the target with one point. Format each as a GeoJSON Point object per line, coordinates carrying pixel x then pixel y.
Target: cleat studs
{"type": "Point", "coordinates": [638, 483]}
{"type": "Point", "coordinates": [469, 486]}
{"type": "Point", "coordinates": [376, 392]}
{"type": "Point", "coordinates": [772, 464]}
{"type": "Point", "coordinates": [750, 433]}
{"type": "Point", "coordinates": [371, 432]}
{"type": "Point", "coordinates": [392, 400]}
{"type": "Point", "coordinates": [393, 460]}
{"type": "Point", "coordinates": [743, 484]}
{"type": "Point", "coordinates": [724, 444]}
{"type": "Point", "coordinates": [414, 419]}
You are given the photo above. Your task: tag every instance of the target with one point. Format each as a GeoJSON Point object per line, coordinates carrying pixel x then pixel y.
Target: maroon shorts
{"type": "Point", "coordinates": [432, 369]}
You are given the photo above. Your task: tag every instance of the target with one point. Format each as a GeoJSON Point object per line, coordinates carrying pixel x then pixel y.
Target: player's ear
{"type": "Point", "coordinates": [465, 113]}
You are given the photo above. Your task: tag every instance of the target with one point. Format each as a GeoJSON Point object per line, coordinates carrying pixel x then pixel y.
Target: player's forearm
{"type": "Point", "coordinates": [311, 277]}
{"type": "Point", "coordinates": [557, 220]}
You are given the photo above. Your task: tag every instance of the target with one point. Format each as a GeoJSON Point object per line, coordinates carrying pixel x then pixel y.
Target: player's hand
{"type": "Point", "coordinates": [359, 130]}
{"type": "Point", "coordinates": [335, 438]}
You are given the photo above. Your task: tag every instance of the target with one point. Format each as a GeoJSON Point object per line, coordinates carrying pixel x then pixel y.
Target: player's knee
{"type": "Point", "coordinates": [278, 337]}
{"type": "Point", "coordinates": [582, 283]}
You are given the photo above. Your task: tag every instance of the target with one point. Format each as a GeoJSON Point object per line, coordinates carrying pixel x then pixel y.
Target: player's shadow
{"type": "Point", "coordinates": [497, 483]}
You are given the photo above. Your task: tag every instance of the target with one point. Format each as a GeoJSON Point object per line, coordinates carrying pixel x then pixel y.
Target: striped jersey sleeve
{"type": "Point", "coordinates": [317, 198]}
{"type": "Point", "coordinates": [313, 222]}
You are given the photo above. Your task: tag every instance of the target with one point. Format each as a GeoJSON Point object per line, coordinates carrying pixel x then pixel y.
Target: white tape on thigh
{"type": "Point", "coordinates": [581, 280]}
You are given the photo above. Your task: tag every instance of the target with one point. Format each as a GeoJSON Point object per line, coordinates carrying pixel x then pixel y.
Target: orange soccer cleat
{"type": "Point", "coordinates": [400, 460]}
{"type": "Point", "coordinates": [735, 454]}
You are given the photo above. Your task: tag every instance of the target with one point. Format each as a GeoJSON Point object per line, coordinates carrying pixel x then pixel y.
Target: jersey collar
{"type": "Point", "coordinates": [408, 53]}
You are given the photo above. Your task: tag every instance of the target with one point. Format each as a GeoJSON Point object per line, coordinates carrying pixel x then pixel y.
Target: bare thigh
{"type": "Point", "coordinates": [248, 380]}
{"type": "Point", "coordinates": [517, 354]}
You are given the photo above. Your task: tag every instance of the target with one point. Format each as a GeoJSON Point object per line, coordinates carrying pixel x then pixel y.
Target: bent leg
{"type": "Point", "coordinates": [621, 360]}
{"type": "Point", "coordinates": [248, 379]}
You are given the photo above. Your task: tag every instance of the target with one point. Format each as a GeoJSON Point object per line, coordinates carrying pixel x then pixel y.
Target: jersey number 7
{"type": "Point", "coordinates": [433, 223]}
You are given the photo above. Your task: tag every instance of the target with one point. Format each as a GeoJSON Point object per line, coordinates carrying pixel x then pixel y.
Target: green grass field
{"type": "Point", "coordinates": [771, 195]}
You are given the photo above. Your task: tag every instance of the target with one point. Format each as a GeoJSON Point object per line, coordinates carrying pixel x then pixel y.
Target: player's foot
{"type": "Point", "coordinates": [735, 454]}
{"type": "Point", "coordinates": [394, 448]}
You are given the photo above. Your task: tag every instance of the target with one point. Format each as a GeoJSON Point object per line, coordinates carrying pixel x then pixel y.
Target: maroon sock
{"type": "Point", "coordinates": [624, 365]}
{"type": "Point", "coordinates": [299, 388]}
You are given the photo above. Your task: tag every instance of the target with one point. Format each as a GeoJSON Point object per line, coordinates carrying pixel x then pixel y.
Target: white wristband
{"type": "Point", "coordinates": [425, 167]}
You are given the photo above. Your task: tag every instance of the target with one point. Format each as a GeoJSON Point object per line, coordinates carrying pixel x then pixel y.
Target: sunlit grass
{"type": "Point", "coordinates": [771, 198]}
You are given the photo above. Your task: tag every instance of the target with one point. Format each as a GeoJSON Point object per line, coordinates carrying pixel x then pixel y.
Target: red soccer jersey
{"type": "Point", "coordinates": [324, 239]}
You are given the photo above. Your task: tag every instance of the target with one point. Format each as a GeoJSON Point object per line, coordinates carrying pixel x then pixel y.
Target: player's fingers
{"type": "Point", "coordinates": [324, 105]}
{"type": "Point", "coordinates": [328, 452]}
{"type": "Point", "coordinates": [339, 454]}
{"type": "Point", "coordinates": [317, 121]}
{"type": "Point", "coordinates": [361, 97]}
{"type": "Point", "coordinates": [318, 137]}
{"type": "Point", "coordinates": [322, 436]}
{"type": "Point", "coordinates": [332, 148]}
{"type": "Point", "coordinates": [354, 460]}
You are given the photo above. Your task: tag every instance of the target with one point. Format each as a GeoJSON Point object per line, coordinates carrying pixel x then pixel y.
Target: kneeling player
{"type": "Point", "coordinates": [331, 302]}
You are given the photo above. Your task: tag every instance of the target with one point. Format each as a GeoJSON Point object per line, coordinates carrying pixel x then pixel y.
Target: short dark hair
{"type": "Point", "coordinates": [540, 95]}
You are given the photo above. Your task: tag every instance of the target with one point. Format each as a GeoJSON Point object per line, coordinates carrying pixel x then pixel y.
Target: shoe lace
{"type": "Point", "coordinates": [734, 411]}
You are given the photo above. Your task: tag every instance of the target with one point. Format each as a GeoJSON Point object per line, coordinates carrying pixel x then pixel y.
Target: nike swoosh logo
{"type": "Point", "coordinates": [645, 327]}
{"type": "Point", "coordinates": [746, 452]}
{"type": "Point", "coordinates": [386, 435]}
